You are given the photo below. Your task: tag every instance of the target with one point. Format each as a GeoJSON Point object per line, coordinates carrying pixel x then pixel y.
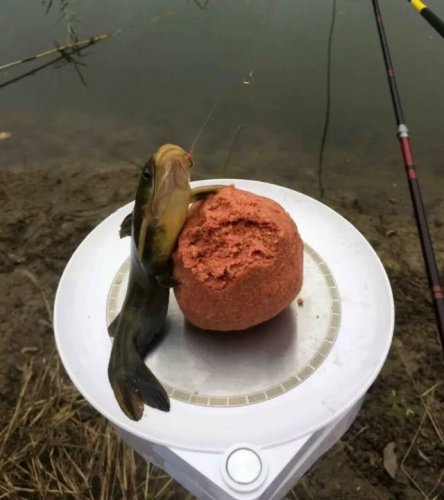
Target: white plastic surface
{"type": "Point", "coordinates": [204, 474]}
{"type": "Point", "coordinates": [353, 363]}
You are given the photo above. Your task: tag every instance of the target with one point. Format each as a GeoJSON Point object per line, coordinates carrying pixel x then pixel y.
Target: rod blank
{"type": "Point", "coordinates": [436, 288]}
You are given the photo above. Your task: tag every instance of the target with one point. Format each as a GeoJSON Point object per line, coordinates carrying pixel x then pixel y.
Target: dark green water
{"type": "Point", "coordinates": [157, 80]}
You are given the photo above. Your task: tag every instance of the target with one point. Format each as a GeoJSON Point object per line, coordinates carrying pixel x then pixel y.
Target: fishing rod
{"type": "Point", "coordinates": [429, 16]}
{"type": "Point", "coordinates": [415, 192]}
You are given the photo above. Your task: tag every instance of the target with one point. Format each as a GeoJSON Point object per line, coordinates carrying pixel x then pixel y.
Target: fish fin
{"type": "Point", "coordinates": [150, 389]}
{"type": "Point", "coordinates": [125, 227]}
{"type": "Point", "coordinates": [128, 399]}
{"type": "Point", "coordinates": [135, 386]}
{"type": "Point", "coordinates": [202, 192]}
{"type": "Point", "coordinates": [112, 327]}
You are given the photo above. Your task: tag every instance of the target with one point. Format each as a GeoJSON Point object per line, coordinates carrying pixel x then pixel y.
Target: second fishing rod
{"type": "Point", "coordinates": [436, 288]}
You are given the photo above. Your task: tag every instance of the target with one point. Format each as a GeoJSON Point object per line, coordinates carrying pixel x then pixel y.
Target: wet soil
{"type": "Point", "coordinates": [45, 214]}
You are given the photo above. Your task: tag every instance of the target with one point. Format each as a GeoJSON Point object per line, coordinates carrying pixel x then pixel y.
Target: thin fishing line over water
{"type": "Point", "coordinates": [265, 15]}
{"type": "Point", "coordinates": [205, 123]}
{"type": "Point", "coordinates": [328, 103]}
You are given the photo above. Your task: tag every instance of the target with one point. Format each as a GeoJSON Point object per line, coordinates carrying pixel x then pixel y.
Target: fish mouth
{"type": "Point", "coordinates": [171, 175]}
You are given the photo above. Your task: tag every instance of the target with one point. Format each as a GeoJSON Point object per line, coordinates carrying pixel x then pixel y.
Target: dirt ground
{"type": "Point", "coordinates": [45, 214]}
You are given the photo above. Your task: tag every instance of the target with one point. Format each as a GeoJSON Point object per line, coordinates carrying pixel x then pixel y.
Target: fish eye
{"type": "Point", "coordinates": [191, 163]}
{"type": "Point", "coordinates": [146, 174]}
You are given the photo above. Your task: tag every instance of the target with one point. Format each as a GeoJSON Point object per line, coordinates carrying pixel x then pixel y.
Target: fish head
{"type": "Point", "coordinates": [163, 194]}
{"type": "Point", "coordinates": [172, 166]}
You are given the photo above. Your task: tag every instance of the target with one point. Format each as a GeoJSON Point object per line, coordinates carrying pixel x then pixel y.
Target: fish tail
{"type": "Point", "coordinates": [135, 385]}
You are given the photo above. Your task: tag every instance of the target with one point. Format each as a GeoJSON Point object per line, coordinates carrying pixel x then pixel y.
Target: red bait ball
{"type": "Point", "coordinates": [239, 261]}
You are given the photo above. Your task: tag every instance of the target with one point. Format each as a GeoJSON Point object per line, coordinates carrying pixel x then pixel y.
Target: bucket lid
{"type": "Point", "coordinates": [269, 385]}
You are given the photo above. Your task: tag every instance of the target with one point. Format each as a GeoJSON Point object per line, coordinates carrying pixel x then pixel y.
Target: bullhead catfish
{"type": "Point", "coordinates": [161, 206]}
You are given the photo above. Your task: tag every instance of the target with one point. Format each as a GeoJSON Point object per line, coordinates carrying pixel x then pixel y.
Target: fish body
{"type": "Point", "coordinates": [160, 209]}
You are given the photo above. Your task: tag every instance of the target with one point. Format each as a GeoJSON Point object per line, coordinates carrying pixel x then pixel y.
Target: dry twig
{"type": "Point", "coordinates": [70, 48]}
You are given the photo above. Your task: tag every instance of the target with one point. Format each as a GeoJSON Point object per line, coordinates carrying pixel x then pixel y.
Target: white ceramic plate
{"type": "Point", "coordinates": [272, 384]}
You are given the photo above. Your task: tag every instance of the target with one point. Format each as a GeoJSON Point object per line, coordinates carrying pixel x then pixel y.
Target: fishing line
{"type": "Point", "coordinates": [216, 102]}
{"type": "Point", "coordinates": [207, 119]}
{"type": "Point", "coordinates": [327, 108]}
{"type": "Point", "coordinates": [251, 58]}
{"type": "Point", "coordinates": [433, 276]}
{"type": "Point", "coordinates": [265, 14]}
{"type": "Point", "coordinates": [232, 147]}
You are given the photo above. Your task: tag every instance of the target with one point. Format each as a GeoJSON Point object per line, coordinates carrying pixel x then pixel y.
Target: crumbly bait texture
{"type": "Point", "coordinates": [239, 261]}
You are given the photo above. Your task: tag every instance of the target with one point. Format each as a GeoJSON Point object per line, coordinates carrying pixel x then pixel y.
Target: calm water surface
{"type": "Point", "coordinates": [159, 77]}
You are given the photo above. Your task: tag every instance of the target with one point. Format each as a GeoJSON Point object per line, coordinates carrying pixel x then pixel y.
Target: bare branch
{"type": "Point", "coordinates": [70, 48]}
